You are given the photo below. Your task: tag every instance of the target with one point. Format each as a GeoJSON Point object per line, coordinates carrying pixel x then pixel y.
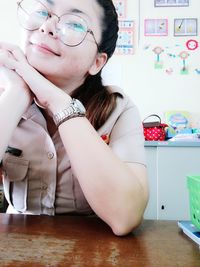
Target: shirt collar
{"type": "Point", "coordinates": [33, 113]}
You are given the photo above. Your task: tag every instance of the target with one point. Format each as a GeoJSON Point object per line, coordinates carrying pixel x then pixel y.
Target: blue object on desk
{"type": "Point", "coordinates": [190, 230]}
{"type": "Point", "coordinates": [170, 132]}
{"type": "Point", "coordinates": [185, 131]}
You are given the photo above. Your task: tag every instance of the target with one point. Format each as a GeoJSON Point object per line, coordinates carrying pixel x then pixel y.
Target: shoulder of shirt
{"type": "Point", "coordinates": [124, 101]}
{"type": "Point", "coordinates": [124, 106]}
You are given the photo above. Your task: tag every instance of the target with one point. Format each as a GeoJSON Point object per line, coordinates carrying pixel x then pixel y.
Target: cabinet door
{"type": "Point", "coordinates": [151, 210]}
{"type": "Point", "coordinates": [174, 164]}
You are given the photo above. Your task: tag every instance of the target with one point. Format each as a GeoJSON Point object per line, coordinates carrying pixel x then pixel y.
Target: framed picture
{"type": "Point", "coordinates": [185, 27]}
{"type": "Point", "coordinates": [171, 3]}
{"type": "Point", "coordinates": [156, 27]}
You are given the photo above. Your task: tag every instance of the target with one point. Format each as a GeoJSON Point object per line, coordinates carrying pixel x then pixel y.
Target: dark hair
{"type": "Point", "coordinates": [97, 98]}
{"type": "Point", "coordinates": [109, 27]}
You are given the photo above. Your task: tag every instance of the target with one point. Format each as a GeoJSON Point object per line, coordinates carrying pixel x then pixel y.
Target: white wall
{"type": "Point", "coordinates": [9, 30]}
{"type": "Point", "coordinates": [152, 90]}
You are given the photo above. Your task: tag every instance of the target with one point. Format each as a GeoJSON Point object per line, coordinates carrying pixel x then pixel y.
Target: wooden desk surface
{"type": "Point", "coordinates": [66, 241]}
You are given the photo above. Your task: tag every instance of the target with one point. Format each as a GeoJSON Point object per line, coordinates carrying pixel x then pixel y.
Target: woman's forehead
{"type": "Point", "coordinates": [84, 6]}
{"type": "Point", "coordinates": [89, 9]}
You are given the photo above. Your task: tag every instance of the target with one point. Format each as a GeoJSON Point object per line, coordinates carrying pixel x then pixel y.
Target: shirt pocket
{"type": "Point", "coordinates": [15, 182]}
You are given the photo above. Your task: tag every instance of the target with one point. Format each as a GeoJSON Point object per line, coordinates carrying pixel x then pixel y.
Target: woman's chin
{"type": "Point", "coordinates": [40, 67]}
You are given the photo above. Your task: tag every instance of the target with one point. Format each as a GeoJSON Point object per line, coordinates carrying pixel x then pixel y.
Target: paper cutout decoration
{"type": "Point", "coordinates": [192, 44]}
{"type": "Point", "coordinates": [158, 63]}
{"type": "Point", "coordinates": [184, 55]}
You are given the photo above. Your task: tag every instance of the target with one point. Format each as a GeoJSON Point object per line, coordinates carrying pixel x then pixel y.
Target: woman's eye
{"type": "Point", "coordinates": [41, 13]}
{"type": "Point", "coordinates": [76, 26]}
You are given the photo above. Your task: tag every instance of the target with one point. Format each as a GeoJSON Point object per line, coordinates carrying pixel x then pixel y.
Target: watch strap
{"type": "Point", "coordinates": [73, 110]}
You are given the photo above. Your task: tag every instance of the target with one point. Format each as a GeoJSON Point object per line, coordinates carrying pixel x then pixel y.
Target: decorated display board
{"type": "Point", "coordinates": [171, 39]}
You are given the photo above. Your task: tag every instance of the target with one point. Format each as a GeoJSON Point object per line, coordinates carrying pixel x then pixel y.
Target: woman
{"type": "Point", "coordinates": [79, 149]}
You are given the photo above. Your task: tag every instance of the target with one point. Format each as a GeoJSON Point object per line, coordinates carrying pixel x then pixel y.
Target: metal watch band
{"type": "Point", "coordinates": [73, 110]}
{"type": "Point", "coordinates": [68, 118]}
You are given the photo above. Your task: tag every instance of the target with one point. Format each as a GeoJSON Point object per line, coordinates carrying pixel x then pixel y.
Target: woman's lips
{"type": "Point", "coordinates": [45, 49]}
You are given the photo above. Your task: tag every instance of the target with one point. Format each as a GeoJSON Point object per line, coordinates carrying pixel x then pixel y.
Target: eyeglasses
{"type": "Point", "coordinates": [71, 29]}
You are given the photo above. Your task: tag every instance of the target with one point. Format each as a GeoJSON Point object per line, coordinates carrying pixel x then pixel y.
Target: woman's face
{"type": "Point", "coordinates": [66, 66]}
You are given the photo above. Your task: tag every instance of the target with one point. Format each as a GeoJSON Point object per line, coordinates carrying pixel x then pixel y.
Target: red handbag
{"type": "Point", "coordinates": [154, 130]}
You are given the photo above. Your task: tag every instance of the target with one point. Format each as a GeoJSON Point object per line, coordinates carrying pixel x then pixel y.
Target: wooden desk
{"type": "Point", "coordinates": [66, 241]}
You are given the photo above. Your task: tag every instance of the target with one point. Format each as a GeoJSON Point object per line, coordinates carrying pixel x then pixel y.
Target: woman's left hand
{"type": "Point", "coordinates": [31, 76]}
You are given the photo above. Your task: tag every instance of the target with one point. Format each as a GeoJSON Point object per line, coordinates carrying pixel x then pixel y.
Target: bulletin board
{"type": "Point", "coordinates": [170, 37]}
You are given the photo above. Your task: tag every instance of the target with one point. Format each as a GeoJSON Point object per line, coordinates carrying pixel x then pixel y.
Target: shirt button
{"type": "Point", "coordinates": [50, 155]}
{"type": "Point", "coordinates": [44, 187]}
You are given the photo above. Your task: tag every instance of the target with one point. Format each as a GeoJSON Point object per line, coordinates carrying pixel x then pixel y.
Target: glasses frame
{"type": "Point", "coordinates": [50, 14]}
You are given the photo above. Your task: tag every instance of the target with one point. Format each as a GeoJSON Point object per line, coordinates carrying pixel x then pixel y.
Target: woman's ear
{"type": "Point", "coordinates": [98, 63]}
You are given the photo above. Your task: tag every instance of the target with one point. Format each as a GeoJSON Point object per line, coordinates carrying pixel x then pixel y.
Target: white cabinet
{"type": "Point", "coordinates": [151, 210]}
{"type": "Point", "coordinates": [168, 165]}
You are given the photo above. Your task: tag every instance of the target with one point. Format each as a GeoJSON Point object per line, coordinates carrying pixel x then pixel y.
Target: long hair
{"type": "Point", "coordinates": [98, 100]}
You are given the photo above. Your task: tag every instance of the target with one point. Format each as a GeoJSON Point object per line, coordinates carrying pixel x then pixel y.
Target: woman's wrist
{"type": "Point", "coordinates": [73, 110]}
{"type": "Point", "coordinates": [59, 101]}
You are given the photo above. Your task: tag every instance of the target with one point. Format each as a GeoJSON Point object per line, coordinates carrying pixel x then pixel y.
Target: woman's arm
{"type": "Point", "coordinates": [14, 101]}
{"type": "Point", "coordinates": [116, 191]}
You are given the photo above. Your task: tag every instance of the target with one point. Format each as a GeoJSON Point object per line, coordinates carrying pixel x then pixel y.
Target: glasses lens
{"type": "Point", "coordinates": [31, 14]}
{"type": "Point", "coordinates": [72, 29]}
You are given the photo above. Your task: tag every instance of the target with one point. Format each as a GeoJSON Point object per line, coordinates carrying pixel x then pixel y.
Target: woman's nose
{"type": "Point", "coordinates": [49, 27]}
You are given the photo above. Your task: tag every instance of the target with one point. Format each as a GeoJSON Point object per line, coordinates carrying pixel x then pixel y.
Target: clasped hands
{"type": "Point", "coordinates": [16, 73]}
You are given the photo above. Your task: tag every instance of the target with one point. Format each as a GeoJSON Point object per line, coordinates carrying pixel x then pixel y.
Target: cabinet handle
{"type": "Point", "coordinates": [162, 207]}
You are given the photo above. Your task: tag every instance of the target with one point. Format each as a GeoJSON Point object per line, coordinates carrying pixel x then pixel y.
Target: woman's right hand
{"type": "Point", "coordinates": [47, 94]}
{"type": "Point", "coordinates": [11, 80]}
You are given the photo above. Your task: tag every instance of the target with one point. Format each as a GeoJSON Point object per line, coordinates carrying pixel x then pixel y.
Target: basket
{"type": "Point", "coordinates": [193, 184]}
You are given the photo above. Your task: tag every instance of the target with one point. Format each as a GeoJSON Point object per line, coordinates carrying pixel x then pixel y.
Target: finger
{"type": "Point", "coordinates": [32, 77]}
{"type": "Point", "coordinates": [14, 50]}
{"type": "Point", "coordinates": [36, 81]}
{"type": "Point", "coordinates": [7, 61]}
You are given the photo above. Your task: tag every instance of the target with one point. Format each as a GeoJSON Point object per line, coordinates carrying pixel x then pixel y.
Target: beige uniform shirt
{"type": "Point", "coordinates": [41, 181]}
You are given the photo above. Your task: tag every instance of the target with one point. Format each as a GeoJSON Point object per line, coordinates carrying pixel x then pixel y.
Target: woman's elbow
{"type": "Point", "coordinates": [123, 227]}
{"type": "Point", "coordinates": [128, 221]}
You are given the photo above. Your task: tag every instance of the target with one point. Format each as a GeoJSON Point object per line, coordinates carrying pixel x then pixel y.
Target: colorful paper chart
{"type": "Point", "coordinates": [120, 6]}
{"type": "Point", "coordinates": [125, 43]}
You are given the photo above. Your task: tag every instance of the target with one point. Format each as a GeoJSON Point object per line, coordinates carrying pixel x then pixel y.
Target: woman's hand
{"type": "Point", "coordinates": [15, 98]}
{"type": "Point", "coordinates": [10, 80]}
{"type": "Point", "coordinates": [43, 89]}
{"type": "Point", "coordinates": [8, 77]}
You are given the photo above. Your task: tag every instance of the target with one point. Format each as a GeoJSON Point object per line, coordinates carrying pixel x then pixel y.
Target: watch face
{"type": "Point", "coordinates": [79, 106]}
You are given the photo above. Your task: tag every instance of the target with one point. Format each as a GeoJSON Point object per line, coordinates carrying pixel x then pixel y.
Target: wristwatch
{"type": "Point", "coordinates": [73, 110]}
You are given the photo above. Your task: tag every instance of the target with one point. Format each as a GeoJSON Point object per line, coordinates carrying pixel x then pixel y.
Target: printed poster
{"type": "Point", "coordinates": [125, 43]}
{"type": "Point", "coordinates": [120, 6]}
